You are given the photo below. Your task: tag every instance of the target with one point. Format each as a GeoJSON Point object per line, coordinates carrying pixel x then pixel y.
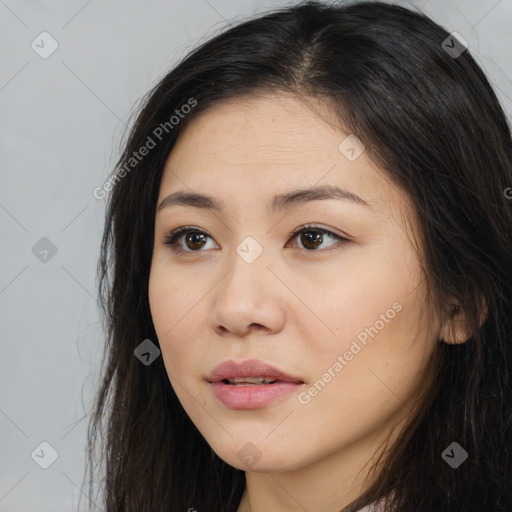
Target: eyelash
{"type": "Point", "coordinates": [174, 235]}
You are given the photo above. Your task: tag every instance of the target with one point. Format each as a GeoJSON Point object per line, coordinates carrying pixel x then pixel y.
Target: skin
{"type": "Point", "coordinates": [294, 308]}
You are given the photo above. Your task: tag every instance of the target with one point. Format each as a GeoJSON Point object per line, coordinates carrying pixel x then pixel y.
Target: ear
{"type": "Point", "coordinates": [455, 329]}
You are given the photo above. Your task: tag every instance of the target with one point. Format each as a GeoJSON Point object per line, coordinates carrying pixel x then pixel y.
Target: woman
{"type": "Point", "coordinates": [306, 275]}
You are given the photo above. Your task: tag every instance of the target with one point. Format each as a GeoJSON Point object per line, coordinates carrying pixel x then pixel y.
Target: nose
{"type": "Point", "coordinates": [249, 298]}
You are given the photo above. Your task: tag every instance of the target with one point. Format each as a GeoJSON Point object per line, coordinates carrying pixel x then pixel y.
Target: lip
{"type": "Point", "coordinates": [252, 368]}
{"type": "Point", "coordinates": [251, 396]}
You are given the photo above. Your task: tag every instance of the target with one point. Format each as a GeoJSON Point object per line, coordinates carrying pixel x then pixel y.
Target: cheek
{"type": "Point", "coordinates": [350, 399]}
{"type": "Point", "coordinates": [380, 331]}
{"type": "Point", "coordinates": [177, 311]}
{"type": "Point", "coordinates": [167, 308]}
{"type": "Point", "coordinates": [159, 301]}
{"type": "Point", "coordinates": [169, 298]}
{"type": "Point", "coordinates": [357, 303]}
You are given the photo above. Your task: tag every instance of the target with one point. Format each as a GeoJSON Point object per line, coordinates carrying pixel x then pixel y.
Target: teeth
{"type": "Point", "coordinates": [250, 380]}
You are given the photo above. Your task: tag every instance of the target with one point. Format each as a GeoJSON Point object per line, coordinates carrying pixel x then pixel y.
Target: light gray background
{"type": "Point", "coordinates": [61, 120]}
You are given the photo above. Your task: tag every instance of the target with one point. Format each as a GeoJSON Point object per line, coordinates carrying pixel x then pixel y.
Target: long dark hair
{"type": "Point", "coordinates": [431, 120]}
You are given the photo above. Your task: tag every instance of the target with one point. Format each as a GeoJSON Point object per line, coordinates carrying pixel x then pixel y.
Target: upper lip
{"type": "Point", "coordinates": [252, 368]}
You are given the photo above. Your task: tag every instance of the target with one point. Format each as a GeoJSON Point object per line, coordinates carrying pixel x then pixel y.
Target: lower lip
{"type": "Point", "coordinates": [251, 397]}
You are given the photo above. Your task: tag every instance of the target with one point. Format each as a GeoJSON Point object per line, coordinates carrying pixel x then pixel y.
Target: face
{"type": "Point", "coordinates": [338, 306]}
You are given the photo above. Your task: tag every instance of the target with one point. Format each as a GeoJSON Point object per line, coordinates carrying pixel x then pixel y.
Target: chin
{"type": "Point", "coordinates": [258, 457]}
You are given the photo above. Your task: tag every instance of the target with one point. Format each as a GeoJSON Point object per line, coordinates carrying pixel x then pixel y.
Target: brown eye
{"type": "Point", "coordinates": [312, 237]}
{"type": "Point", "coordinates": [195, 239]}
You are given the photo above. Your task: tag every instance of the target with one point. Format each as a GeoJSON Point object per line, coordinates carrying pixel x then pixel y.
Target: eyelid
{"type": "Point", "coordinates": [325, 230]}
{"type": "Point", "coordinates": [341, 239]}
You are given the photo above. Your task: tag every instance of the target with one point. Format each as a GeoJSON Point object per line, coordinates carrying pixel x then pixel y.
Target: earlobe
{"type": "Point", "coordinates": [455, 328]}
{"type": "Point", "coordinates": [453, 332]}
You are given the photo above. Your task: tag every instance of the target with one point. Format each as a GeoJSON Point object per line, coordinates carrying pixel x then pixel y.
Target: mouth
{"type": "Point", "coordinates": [248, 381]}
{"type": "Point", "coordinates": [251, 372]}
{"type": "Point", "coordinates": [251, 384]}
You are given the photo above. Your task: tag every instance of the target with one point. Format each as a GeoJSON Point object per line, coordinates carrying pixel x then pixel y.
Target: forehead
{"type": "Point", "coordinates": [279, 127]}
{"type": "Point", "coordinates": [266, 145]}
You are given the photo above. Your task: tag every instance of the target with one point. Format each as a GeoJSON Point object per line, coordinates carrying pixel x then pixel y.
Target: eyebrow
{"type": "Point", "coordinates": [280, 202]}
